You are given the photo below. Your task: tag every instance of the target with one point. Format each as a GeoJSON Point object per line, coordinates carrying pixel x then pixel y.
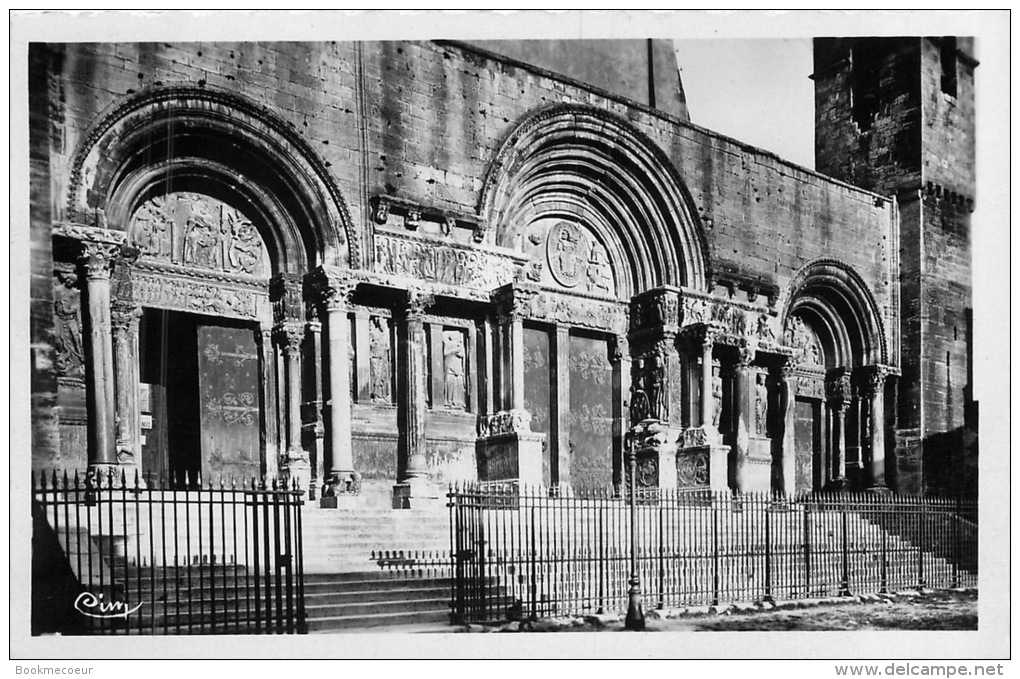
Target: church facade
{"type": "Point", "coordinates": [382, 267]}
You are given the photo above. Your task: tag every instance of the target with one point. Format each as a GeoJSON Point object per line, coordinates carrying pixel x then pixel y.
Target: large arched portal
{"type": "Point", "coordinates": [834, 325]}
{"type": "Point", "coordinates": [601, 216]}
{"type": "Point", "coordinates": [197, 216]}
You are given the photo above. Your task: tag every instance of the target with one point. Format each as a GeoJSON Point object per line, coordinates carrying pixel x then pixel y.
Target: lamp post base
{"type": "Point", "coordinates": [635, 619]}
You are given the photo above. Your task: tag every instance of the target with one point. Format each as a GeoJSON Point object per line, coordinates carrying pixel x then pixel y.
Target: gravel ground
{"type": "Point", "coordinates": [906, 610]}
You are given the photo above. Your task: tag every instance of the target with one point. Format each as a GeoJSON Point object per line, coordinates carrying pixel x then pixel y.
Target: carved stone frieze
{"type": "Point", "coordinates": [504, 422]}
{"type": "Point", "coordinates": [577, 312]}
{"type": "Point", "coordinates": [730, 320]}
{"type": "Point", "coordinates": [806, 347]}
{"type": "Point", "coordinates": [513, 302]}
{"type": "Point", "coordinates": [442, 262]}
{"type": "Point", "coordinates": [656, 309]}
{"type": "Point", "coordinates": [168, 292]}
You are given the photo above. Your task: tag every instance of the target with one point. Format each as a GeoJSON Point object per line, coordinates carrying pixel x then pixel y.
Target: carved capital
{"type": "Point", "coordinates": [289, 336]}
{"type": "Point", "coordinates": [417, 301]}
{"type": "Point", "coordinates": [745, 355]}
{"type": "Point", "coordinates": [285, 292]}
{"type": "Point", "coordinates": [335, 291]}
{"type": "Point", "coordinates": [124, 319]}
{"type": "Point", "coordinates": [97, 259]}
{"type": "Point", "coordinates": [659, 308]}
{"type": "Point", "coordinates": [513, 302]}
{"type": "Point", "coordinates": [837, 388]}
{"type": "Point", "coordinates": [873, 379]}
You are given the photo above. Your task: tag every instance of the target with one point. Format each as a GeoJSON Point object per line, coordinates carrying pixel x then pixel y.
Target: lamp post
{"type": "Point", "coordinates": [635, 616]}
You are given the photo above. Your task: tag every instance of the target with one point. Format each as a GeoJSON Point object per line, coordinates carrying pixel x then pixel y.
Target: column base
{"type": "Point", "coordinates": [508, 451]}
{"type": "Point", "coordinates": [296, 468]}
{"type": "Point", "coordinates": [415, 492]}
{"type": "Point", "coordinates": [655, 455]}
{"type": "Point", "coordinates": [338, 488]}
{"type": "Point", "coordinates": [880, 489]}
{"type": "Point", "coordinates": [838, 485]}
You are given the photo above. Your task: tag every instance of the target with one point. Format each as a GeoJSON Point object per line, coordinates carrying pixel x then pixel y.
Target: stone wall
{"type": "Point", "coordinates": [421, 123]}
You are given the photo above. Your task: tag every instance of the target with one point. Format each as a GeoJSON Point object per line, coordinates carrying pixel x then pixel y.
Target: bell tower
{"type": "Point", "coordinates": [896, 116]}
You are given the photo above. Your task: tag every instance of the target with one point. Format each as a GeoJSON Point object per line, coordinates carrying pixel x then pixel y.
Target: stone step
{"type": "Point", "coordinates": [358, 596]}
{"type": "Point", "coordinates": [334, 623]}
{"type": "Point", "coordinates": [379, 607]}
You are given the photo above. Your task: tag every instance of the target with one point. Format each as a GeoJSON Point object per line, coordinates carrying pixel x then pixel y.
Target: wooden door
{"type": "Point", "coordinates": [808, 445]}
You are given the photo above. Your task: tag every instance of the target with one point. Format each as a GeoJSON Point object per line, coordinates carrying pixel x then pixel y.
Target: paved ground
{"type": "Point", "coordinates": [907, 610]}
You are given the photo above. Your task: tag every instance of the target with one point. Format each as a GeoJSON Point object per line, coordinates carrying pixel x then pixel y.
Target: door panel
{"type": "Point", "coordinates": [591, 408]}
{"type": "Point", "coordinates": [808, 435]}
{"type": "Point", "coordinates": [229, 399]}
{"type": "Point", "coordinates": [537, 393]}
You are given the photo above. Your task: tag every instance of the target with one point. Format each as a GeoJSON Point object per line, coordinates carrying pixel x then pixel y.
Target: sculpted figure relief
{"type": "Point", "coordinates": [198, 230]}
{"type": "Point", "coordinates": [380, 363]}
{"type": "Point", "coordinates": [717, 397]}
{"type": "Point", "coordinates": [454, 393]}
{"type": "Point", "coordinates": [761, 405]}
{"type": "Point", "coordinates": [67, 307]}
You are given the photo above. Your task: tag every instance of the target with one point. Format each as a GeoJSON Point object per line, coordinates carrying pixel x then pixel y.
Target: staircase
{"type": "Point", "coordinates": [369, 567]}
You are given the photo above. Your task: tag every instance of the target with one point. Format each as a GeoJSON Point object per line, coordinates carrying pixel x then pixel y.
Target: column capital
{"type": "Point", "coordinates": [746, 352]}
{"type": "Point", "coordinates": [289, 335]}
{"type": "Point", "coordinates": [97, 258]}
{"type": "Point", "coordinates": [335, 288]}
{"type": "Point", "coordinates": [702, 335]}
{"type": "Point", "coordinates": [837, 388]}
{"type": "Point", "coordinates": [124, 317]}
{"type": "Point", "coordinates": [417, 300]}
{"type": "Point", "coordinates": [873, 378]}
{"type": "Point", "coordinates": [656, 308]}
{"type": "Point", "coordinates": [513, 301]}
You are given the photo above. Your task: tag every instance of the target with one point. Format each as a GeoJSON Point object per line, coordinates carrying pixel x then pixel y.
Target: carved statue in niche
{"type": "Point", "coordinates": [764, 329]}
{"type": "Point", "coordinates": [657, 389]}
{"type": "Point", "coordinates": [639, 405]}
{"type": "Point", "coordinates": [379, 343]}
{"type": "Point", "coordinates": [67, 308]}
{"type": "Point", "coordinates": [454, 382]}
{"type": "Point", "coordinates": [717, 397]}
{"type": "Point", "coordinates": [600, 277]}
{"type": "Point", "coordinates": [761, 405]}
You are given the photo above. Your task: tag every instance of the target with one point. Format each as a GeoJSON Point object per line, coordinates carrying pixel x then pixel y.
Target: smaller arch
{"type": "Point", "coordinates": [835, 301]}
{"type": "Point", "coordinates": [634, 198]}
{"type": "Point", "coordinates": [167, 137]}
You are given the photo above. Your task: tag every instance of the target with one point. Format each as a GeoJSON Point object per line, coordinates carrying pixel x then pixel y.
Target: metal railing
{"type": "Point", "coordinates": [533, 552]}
{"type": "Point", "coordinates": [113, 556]}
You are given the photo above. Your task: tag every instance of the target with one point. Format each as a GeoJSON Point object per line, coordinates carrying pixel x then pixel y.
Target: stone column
{"type": "Point", "coordinates": [506, 448]}
{"type": "Point", "coordinates": [125, 319]}
{"type": "Point", "coordinates": [340, 477]}
{"type": "Point", "coordinates": [837, 397]}
{"type": "Point", "coordinates": [656, 386]}
{"type": "Point", "coordinates": [268, 385]}
{"type": "Point", "coordinates": [875, 392]}
{"type": "Point", "coordinates": [743, 417]}
{"type": "Point", "coordinates": [561, 384]}
{"type": "Point", "coordinates": [289, 337]}
{"type": "Point", "coordinates": [787, 415]}
{"type": "Point", "coordinates": [97, 261]}
{"type": "Point", "coordinates": [412, 401]}
{"type": "Point", "coordinates": [620, 360]}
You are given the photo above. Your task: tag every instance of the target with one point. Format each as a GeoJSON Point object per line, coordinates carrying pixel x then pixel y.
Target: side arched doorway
{"type": "Point", "coordinates": [197, 217]}
{"type": "Point", "coordinates": [839, 370]}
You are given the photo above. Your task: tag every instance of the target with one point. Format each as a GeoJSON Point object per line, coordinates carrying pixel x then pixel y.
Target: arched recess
{"type": "Point", "coordinates": [572, 160]}
{"type": "Point", "coordinates": [224, 145]}
{"type": "Point", "coordinates": [834, 302]}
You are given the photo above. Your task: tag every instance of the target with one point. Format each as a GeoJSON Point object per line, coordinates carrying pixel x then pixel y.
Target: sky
{"type": "Point", "coordinates": [756, 91]}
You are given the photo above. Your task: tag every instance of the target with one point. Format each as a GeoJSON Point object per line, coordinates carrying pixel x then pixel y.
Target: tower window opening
{"type": "Point", "coordinates": [947, 57]}
{"type": "Point", "coordinates": [865, 81]}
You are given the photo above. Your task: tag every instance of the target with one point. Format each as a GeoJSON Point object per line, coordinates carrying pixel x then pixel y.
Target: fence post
{"type": "Point", "coordinates": [921, 541]}
{"type": "Point", "coordinates": [715, 551]}
{"type": "Point", "coordinates": [883, 509]}
{"type": "Point", "coordinates": [956, 543]}
{"type": "Point", "coordinates": [534, 575]}
{"type": "Point", "coordinates": [662, 556]}
{"type": "Point", "coordinates": [807, 549]}
{"type": "Point", "coordinates": [844, 587]}
{"type": "Point", "coordinates": [768, 555]}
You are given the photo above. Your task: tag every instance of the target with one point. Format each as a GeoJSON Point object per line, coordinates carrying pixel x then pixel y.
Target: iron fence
{"type": "Point", "coordinates": [112, 556]}
{"type": "Point", "coordinates": [532, 552]}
